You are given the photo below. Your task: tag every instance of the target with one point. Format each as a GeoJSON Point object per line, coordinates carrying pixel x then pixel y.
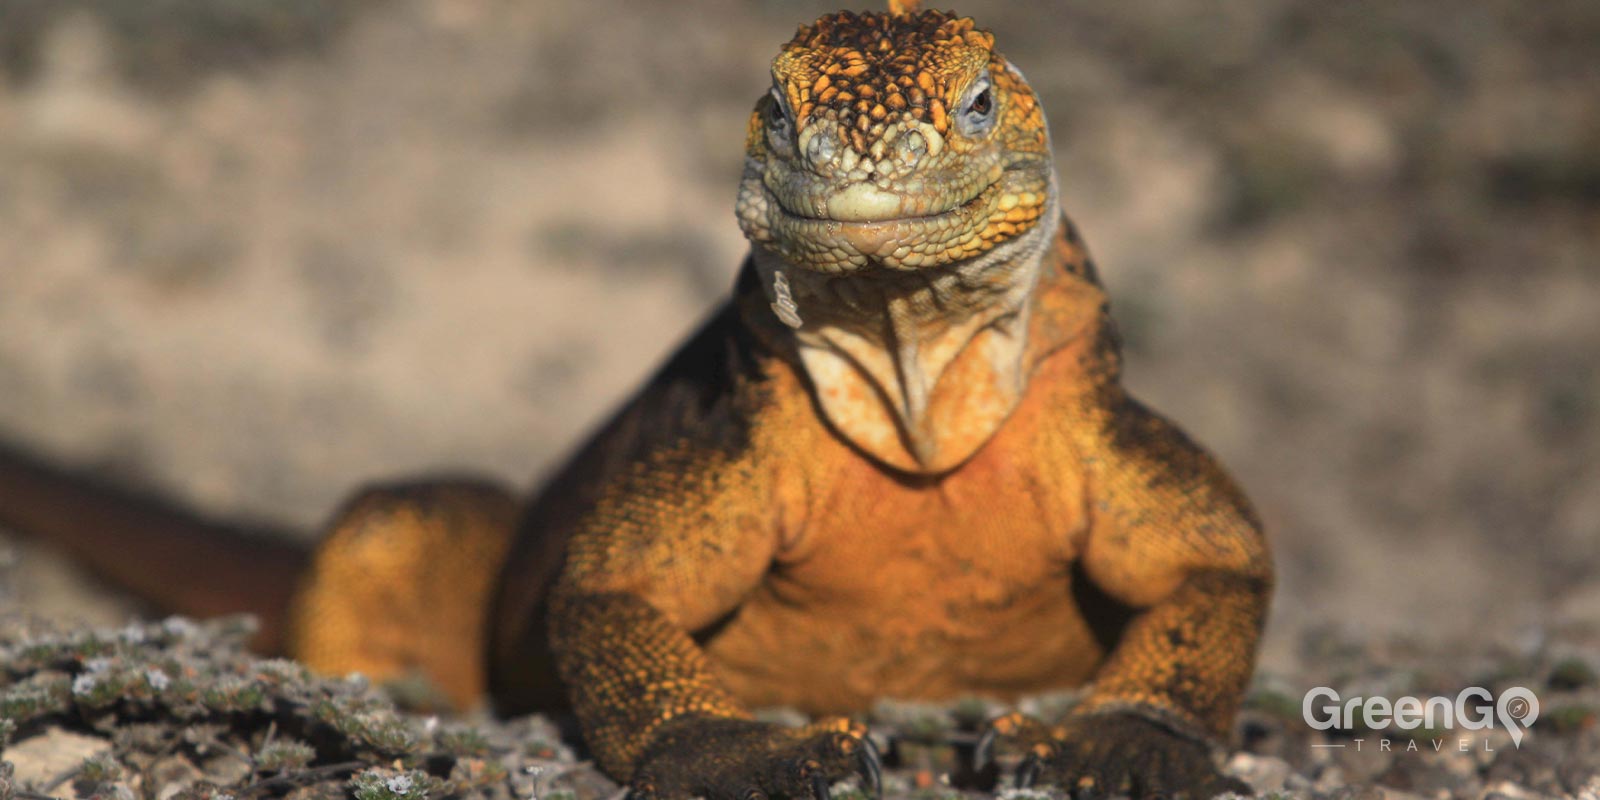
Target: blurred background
{"type": "Point", "coordinates": [256, 252]}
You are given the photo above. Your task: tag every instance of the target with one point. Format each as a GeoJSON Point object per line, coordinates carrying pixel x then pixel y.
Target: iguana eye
{"type": "Point", "coordinates": [981, 104]}
{"type": "Point", "coordinates": [777, 112]}
{"type": "Point", "coordinates": [780, 127]}
{"type": "Point", "coordinates": [977, 116]}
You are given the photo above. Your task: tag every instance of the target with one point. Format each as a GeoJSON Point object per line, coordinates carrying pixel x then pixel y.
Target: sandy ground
{"type": "Point", "coordinates": [254, 261]}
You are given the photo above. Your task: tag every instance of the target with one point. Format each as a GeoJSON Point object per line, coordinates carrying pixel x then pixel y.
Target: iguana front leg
{"type": "Point", "coordinates": [677, 546]}
{"type": "Point", "coordinates": [1174, 540]}
{"type": "Point", "coordinates": [652, 710]}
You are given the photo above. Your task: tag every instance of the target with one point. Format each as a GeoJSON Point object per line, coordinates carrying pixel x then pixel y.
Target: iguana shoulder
{"type": "Point", "coordinates": [707, 411]}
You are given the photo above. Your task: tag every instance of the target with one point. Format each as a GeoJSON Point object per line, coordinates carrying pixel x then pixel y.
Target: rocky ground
{"type": "Point", "coordinates": [177, 709]}
{"type": "Point", "coordinates": [255, 253]}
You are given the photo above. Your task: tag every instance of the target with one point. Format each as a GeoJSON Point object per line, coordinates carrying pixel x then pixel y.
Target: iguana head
{"type": "Point", "coordinates": [899, 140]}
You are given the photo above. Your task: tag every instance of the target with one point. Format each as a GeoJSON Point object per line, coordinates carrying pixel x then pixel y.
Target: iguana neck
{"type": "Point", "coordinates": [917, 368]}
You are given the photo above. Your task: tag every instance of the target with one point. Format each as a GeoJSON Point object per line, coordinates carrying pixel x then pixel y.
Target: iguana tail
{"type": "Point", "coordinates": [171, 557]}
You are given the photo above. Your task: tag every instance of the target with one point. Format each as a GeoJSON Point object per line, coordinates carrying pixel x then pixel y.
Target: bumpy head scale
{"type": "Point", "coordinates": [899, 140]}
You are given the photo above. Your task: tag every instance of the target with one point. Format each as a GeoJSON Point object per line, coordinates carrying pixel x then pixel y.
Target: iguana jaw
{"type": "Point", "coordinates": [861, 227]}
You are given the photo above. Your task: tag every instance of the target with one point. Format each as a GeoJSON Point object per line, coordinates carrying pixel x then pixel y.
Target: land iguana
{"type": "Point", "coordinates": [899, 462]}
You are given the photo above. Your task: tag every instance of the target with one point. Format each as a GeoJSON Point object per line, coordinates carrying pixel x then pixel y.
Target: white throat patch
{"type": "Point", "coordinates": [918, 369]}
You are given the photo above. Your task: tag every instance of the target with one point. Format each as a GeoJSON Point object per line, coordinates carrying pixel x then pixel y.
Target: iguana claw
{"type": "Point", "coordinates": [733, 759]}
{"type": "Point", "coordinates": [1014, 726]}
{"type": "Point", "coordinates": [871, 767]}
{"type": "Point", "coordinates": [983, 753]}
{"type": "Point", "coordinates": [819, 786]}
{"type": "Point", "coordinates": [1106, 754]}
{"type": "Point", "coordinates": [1028, 772]}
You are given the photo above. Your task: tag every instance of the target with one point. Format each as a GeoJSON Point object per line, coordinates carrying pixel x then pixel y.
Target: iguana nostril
{"type": "Point", "coordinates": [911, 147]}
{"type": "Point", "coordinates": [921, 140]}
{"type": "Point", "coordinates": [819, 146]}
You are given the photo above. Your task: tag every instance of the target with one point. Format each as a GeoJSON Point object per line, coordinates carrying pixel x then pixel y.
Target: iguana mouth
{"type": "Point", "coordinates": [928, 237]}
{"type": "Point", "coordinates": [864, 204]}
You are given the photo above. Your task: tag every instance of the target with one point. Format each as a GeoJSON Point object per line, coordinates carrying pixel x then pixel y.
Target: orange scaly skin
{"type": "Point", "coordinates": [919, 478]}
{"type": "Point", "coordinates": [1089, 540]}
{"type": "Point", "coordinates": [899, 463]}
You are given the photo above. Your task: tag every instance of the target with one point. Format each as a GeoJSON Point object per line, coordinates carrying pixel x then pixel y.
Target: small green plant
{"type": "Point", "coordinates": [463, 742]}
{"type": "Point", "coordinates": [100, 769]}
{"type": "Point", "coordinates": [1572, 674]}
{"type": "Point", "coordinates": [386, 784]}
{"type": "Point", "coordinates": [284, 755]}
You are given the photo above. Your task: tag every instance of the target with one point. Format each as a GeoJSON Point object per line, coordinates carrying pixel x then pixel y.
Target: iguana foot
{"type": "Point", "coordinates": [728, 759]}
{"type": "Point", "coordinates": [1107, 754]}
